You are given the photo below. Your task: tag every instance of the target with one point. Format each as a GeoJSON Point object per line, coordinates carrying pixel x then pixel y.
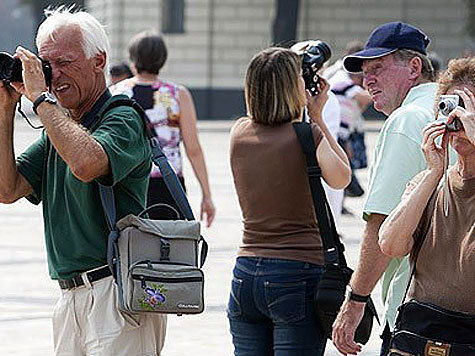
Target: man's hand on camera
{"type": "Point", "coordinates": [315, 103]}
{"type": "Point", "coordinates": [467, 114]}
{"type": "Point", "coordinates": [33, 78]}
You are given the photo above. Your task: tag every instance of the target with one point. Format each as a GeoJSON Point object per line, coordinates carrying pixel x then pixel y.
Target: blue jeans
{"type": "Point", "coordinates": [271, 310]}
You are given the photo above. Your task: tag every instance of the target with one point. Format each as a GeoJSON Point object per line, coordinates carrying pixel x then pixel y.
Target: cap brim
{"type": "Point", "coordinates": [353, 62]}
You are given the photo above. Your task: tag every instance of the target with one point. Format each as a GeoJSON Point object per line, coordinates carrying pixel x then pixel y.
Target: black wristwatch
{"type": "Point", "coordinates": [355, 297]}
{"type": "Point", "coordinates": [45, 96]}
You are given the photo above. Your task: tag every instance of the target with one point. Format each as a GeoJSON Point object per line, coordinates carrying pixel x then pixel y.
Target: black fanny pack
{"type": "Point", "coordinates": [330, 291]}
{"type": "Point", "coordinates": [426, 329]}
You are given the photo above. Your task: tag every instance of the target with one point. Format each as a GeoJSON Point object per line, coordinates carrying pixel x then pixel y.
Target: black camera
{"type": "Point", "coordinates": [314, 54]}
{"type": "Point", "coordinates": [11, 69]}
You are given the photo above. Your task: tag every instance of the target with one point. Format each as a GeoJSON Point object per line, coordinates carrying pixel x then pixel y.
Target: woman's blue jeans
{"type": "Point", "coordinates": [271, 310]}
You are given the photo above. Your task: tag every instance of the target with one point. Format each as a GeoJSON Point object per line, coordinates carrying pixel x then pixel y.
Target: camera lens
{"type": "Point", "coordinates": [446, 106]}
{"type": "Point", "coordinates": [442, 106]}
{"type": "Point", "coordinates": [10, 68]}
{"type": "Point", "coordinates": [322, 48]}
{"type": "Point", "coordinates": [6, 66]}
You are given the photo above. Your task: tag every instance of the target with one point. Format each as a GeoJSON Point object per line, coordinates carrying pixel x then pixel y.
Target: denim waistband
{"type": "Point", "coordinates": [268, 266]}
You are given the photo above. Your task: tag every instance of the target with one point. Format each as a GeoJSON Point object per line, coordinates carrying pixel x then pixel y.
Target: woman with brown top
{"type": "Point", "coordinates": [440, 223]}
{"type": "Point", "coordinates": [280, 259]}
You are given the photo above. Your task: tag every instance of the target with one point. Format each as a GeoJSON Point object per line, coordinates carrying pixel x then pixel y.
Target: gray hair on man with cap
{"type": "Point", "coordinates": [398, 76]}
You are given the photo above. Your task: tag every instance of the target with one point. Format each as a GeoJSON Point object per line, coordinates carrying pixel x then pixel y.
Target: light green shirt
{"type": "Point", "coordinates": [397, 159]}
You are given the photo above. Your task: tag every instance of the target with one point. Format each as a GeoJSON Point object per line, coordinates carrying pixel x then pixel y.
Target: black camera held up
{"type": "Point", "coordinates": [11, 69]}
{"type": "Point", "coordinates": [314, 54]}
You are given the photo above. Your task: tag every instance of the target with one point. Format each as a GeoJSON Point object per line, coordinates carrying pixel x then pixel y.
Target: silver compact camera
{"type": "Point", "coordinates": [447, 103]}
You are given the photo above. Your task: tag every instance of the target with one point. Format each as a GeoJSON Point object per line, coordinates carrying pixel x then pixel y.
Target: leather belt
{"type": "Point", "coordinates": [92, 276]}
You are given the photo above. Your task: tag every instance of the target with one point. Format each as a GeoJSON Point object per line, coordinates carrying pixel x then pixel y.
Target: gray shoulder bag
{"type": "Point", "coordinates": [155, 263]}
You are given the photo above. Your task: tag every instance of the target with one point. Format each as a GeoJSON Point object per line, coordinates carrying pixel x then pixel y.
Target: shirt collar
{"type": "Point", "coordinates": [89, 118]}
{"type": "Point", "coordinates": [462, 187]}
{"type": "Point", "coordinates": [419, 91]}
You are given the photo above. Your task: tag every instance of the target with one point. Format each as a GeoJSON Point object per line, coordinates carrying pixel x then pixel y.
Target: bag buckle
{"type": "Point", "coordinates": [331, 255]}
{"type": "Point", "coordinates": [435, 348]}
{"type": "Point", "coordinates": [164, 250]}
{"type": "Point", "coordinates": [314, 171]}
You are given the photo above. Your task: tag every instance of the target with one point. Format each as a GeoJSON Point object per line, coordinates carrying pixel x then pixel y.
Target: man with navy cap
{"type": "Point", "coordinates": [399, 77]}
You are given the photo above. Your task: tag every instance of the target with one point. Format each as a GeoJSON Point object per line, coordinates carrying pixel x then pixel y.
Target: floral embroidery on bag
{"type": "Point", "coordinates": [153, 297]}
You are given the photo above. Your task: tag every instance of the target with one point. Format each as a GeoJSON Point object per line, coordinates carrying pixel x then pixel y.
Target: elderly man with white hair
{"type": "Point", "coordinates": [78, 148]}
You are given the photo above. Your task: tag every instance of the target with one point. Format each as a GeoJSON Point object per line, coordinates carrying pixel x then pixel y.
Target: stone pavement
{"type": "Point", "coordinates": [27, 295]}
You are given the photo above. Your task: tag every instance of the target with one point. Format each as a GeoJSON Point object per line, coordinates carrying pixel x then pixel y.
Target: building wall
{"type": "Point", "coordinates": [340, 21]}
{"type": "Point", "coordinates": [16, 26]}
{"type": "Point", "coordinates": [221, 36]}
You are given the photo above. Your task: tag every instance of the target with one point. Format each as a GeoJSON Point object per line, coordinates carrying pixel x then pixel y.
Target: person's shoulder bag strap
{"type": "Point", "coordinates": [333, 248]}
{"type": "Point", "coordinates": [343, 91]}
{"type": "Point", "coordinates": [169, 176]}
{"type": "Point", "coordinates": [432, 200]}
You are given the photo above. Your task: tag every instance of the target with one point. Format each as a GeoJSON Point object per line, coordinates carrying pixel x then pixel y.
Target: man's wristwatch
{"type": "Point", "coordinates": [355, 297]}
{"type": "Point", "coordinates": [45, 96]}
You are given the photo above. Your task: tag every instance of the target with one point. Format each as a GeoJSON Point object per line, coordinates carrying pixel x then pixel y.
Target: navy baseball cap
{"type": "Point", "coordinates": [386, 39]}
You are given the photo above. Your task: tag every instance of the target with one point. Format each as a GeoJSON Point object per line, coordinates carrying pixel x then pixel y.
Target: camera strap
{"type": "Point", "coordinates": [418, 247]}
{"type": "Point", "coordinates": [19, 109]}
{"type": "Point", "coordinates": [22, 113]}
{"type": "Point", "coordinates": [446, 179]}
{"type": "Point", "coordinates": [332, 247]}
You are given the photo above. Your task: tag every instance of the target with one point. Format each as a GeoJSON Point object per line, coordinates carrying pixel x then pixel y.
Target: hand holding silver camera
{"type": "Point", "coordinates": [447, 103]}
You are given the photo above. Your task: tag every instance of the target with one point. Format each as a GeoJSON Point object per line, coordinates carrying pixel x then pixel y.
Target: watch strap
{"type": "Point", "coordinates": [43, 97]}
{"type": "Point", "coordinates": [358, 297]}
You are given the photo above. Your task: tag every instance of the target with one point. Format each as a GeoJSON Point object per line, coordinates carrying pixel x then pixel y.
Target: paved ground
{"type": "Point", "coordinates": [27, 295]}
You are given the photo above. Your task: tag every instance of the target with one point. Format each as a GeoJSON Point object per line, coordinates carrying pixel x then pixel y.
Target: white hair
{"type": "Point", "coordinates": [94, 37]}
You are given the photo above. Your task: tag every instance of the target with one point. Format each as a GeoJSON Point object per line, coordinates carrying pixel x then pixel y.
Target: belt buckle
{"type": "Point", "coordinates": [164, 250]}
{"type": "Point", "coordinates": [435, 348]}
{"type": "Point", "coordinates": [76, 283]}
{"type": "Point", "coordinates": [68, 283]}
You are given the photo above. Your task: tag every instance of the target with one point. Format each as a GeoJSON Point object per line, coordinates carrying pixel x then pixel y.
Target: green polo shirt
{"type": "Point", "coordinates": [398, 157]}
{"type": "Point", "coordinates": [74, 222]}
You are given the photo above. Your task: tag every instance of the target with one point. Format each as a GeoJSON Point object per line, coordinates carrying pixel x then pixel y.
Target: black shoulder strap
{"type": "Point", "coordinates": [333, 248]}
{"type": "Point", "coordinates": [136, 106]}
{"type": "Point", "coordinates": [418, 247]}
{"type": "Point", "coordinates": [158, 157]}
{"type": "Point", "coordinates": [343, 90]}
